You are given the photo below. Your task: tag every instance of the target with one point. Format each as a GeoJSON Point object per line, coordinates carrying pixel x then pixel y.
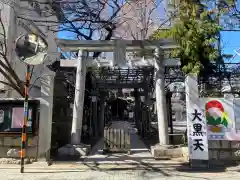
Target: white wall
{"type": "Point", "coordinates": [45, 121]}
{"type": "Point", "coordinates": [14, 28]}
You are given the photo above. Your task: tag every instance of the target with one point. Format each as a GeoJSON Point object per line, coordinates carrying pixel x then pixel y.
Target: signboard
{"type": "Point", "coordinates": [197, 133]}
{"type": "Point", "coordinates": [18, 116]}
{"type": "Point", "coordinates": [221, 117]}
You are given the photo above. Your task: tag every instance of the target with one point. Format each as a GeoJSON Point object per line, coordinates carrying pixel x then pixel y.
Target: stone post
{"type": "Point", "coordinates": [191, 89]}
{"type": "Point", "coordinates": [119, 53]}
{"type": "Point", "coordinates": [76, 148]}
{"type": "Point", "coordinates": [79, 99]}
{"type": "Point", "coordinates": [45, 121]}
{"type": "Point", "coordinates": [161, 100]}
{"type": "Point", "coordinates": [196, 158]}
{"type": "Point", "coordinates": [45, 95]}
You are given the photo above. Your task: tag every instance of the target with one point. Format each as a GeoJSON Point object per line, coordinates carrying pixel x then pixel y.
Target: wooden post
{"type": "Point", "coordinates": [128, 141]}
{"type": "Point", "coordinates": [94, 116]}
{"type": "Point", "coordinates": [137, 108]}
{"type": "Point", "coordinates": [105, 139]}
{"type": "Point", "coordinates": [169, 111]}
{"type": "Point", "coordinates": [111, 138]}
{"type": "Point", "coordinates": [101, 114]}
{"type": "Point", "coordinates": [147, 120]}
{"type": "Point", "coordinates": [122, 138]}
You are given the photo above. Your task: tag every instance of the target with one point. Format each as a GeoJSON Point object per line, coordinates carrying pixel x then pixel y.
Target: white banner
{"type": "Point", "coordinates": [197, 132]}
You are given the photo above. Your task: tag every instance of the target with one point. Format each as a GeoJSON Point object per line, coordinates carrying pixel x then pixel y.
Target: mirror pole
{"type": "Point", "coordinates": [25, 120]}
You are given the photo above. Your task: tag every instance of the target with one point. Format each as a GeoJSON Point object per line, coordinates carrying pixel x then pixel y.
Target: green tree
{"type": "Point", "coordinates": [196, 31]}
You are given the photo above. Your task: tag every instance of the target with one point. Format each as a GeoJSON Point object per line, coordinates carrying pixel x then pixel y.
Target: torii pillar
{"type": "Point", "coordinates": [76, 148]}
{"type": "Point", "coordinates": [77, 119]}
{"type": "Point", "coordinates": [161, 99]}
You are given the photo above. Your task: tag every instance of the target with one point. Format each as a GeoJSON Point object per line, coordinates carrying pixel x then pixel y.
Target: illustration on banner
{"type": "Point", "coordinates": [217, 118]}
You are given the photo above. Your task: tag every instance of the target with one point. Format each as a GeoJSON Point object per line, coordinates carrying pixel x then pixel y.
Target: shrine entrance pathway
{"type": "Point", "coordinates": [139, 151]}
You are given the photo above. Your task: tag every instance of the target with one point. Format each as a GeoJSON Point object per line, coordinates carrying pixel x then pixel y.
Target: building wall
{"type": "Point", "coordinates": [224, 150]}
{"type": "Point", "coordinates": [7, 20]}
{"type": "Point", "coordinates": [10, 146]}
{"type": "Point", "coordinates": [39, 145]}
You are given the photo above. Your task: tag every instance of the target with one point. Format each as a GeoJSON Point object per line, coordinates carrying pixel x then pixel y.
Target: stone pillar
{"type": "Point", "coordinates": [101, 115]}
{"type": "Point", "coordinates": [76, 148]}
{"type": "Point", "coordinates": [119, 53]}
{"type": "Point", "coordinates": [43, 77]}
{"type": "Point", "coordinates": [191, 89]}
{"type": "Point", "coordinates": [161, 100]}
{"type": "Point", "coordinates": [201, 159]}
{"type": "Point", "coordinates": [45, 121]}
{"type": "Point", "coordinates": [79, 99]}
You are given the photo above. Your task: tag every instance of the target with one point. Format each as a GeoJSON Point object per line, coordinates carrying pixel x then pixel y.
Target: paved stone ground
{"type": "Point", "coordinates": [70, 172]}
{"type": "Point", "coordinates": [138, 166]}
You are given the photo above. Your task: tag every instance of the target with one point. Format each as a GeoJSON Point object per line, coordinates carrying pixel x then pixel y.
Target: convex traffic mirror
{"type": "Point", "coordinates": [31, 49]}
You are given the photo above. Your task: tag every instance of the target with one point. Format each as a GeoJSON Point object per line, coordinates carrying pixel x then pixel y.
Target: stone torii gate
{"type": "Point", "coordinates": [120, 48]}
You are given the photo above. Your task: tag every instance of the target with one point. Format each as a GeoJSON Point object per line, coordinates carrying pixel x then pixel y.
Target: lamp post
{"type": "Point", "coordinates": [32, 50]}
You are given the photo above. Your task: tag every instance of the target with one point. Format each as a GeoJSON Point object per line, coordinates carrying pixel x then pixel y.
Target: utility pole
{"type": "Point", "coordinates": [219, 33]}
{"type": "Point", "coordinates": [219, 59]}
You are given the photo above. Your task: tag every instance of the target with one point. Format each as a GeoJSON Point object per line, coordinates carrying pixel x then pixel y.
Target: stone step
{"type": "Point", "coordinates": [159, 151]}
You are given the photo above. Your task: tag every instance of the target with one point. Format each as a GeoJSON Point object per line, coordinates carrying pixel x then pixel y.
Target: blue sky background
{"type": "Point", "coordinates": [230, 40]}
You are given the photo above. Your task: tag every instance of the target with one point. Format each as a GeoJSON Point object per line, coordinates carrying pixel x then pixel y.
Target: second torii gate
{"type": "Point", "coordinates": [119, 49]}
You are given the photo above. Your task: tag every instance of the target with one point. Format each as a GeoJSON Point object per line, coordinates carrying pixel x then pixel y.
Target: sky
{"type": "Point", "coordinates": [66, 35]}
{"type": "Point", "coordinates": [230, 41]}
